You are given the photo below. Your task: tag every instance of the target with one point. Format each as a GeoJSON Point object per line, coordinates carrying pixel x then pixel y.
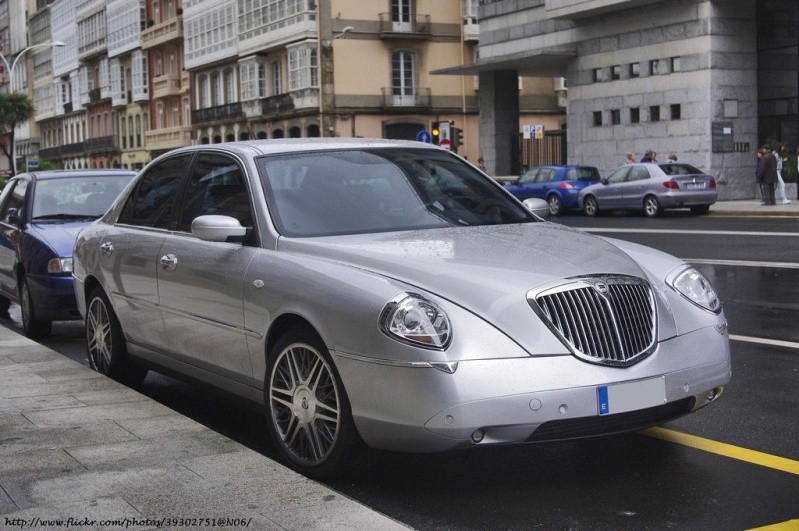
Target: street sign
{"type": "Point", "coordinates": [424, 136]}
{"type": "Point", "coordinates": [32, 164]}
{"type": "Point", "coordinates": [446, 143]}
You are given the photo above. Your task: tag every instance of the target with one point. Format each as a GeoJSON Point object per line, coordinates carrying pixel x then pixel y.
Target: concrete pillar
{"type": "Point", "coordinates": [499, 119]}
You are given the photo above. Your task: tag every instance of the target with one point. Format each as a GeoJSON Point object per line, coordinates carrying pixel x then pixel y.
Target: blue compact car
{"type": "Point", "coordinates": [559, 186]}
{"type": "Point", "coordinates": [41, 214]}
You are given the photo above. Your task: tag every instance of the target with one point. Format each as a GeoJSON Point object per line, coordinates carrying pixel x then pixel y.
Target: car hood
{"type": "Point", "coordinates": [487, 269]}
{"type": "Point", "coordinates": [59, 236]}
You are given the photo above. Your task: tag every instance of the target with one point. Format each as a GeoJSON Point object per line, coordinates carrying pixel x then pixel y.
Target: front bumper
{"type": "Point", "coordinates": [503, 401]}
{"type": "Point", "coordinates": [53, 297]}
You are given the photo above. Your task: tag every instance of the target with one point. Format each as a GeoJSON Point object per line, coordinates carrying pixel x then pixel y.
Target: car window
{"type": "Point", "coordinates": [638, 173]}
{"type": "Point", "coordinates": [546, 175]}
{"type": "Point", "coordinates": [529, 176]}
{"type": "Point", "coordinates": [216, 186]}
{"type": "Point", "coordinates": [587, 174]}
{"type": "Point", "coordinates": [349, 192]}
{"type": "Point", "coordinates": [13, 198]}
{"type": "Point", "coordinates": [679, 169]}
{"type": "Point", "coordinates": [150, 202]}
{"type": "Point", "coordinates": [619, 175]}
{"type": "Point", "coordinates": [81, 195]}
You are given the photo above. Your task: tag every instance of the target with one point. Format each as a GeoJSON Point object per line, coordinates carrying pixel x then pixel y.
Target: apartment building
{"type": "Point", "coordinates": [136, 78]}
{"type": "Point", "coordinates": [708, 79]}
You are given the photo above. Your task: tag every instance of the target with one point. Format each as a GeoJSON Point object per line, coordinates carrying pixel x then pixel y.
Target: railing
{"type": "Point", "coordinates": [78, 148]}
{"type": "Point", "coordinates": [167, 138]}
{"type": "Point", "coordinates": [163, 32]}
{"type": "Point", "coordinates": [68, 108]}
{"type": "Point", "coordinates": [277, 104]}
{"type": "Point", "coordinates": [407, 97]}
{"type": "Point", "coordinates": [53, 153]}
{"type": "Point", "coordinates": [415, 24]}
{"type": "Point", "coordinates": [94, 95]}
{"type": "Point", "coordinates": [220, 112]}
{"type": "Point", "coordinates": [166, 85]}
{"type": "Point", "coordinates": [101, 144]}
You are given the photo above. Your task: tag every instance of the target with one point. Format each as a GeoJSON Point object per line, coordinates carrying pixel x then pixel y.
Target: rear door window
{"type": "Point", "coordinates": [150, 204]}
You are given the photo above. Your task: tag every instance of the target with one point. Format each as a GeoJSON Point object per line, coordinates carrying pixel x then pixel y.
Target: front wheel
{"type": "Point", "coordinates": [307, 410]}
{"type": "Point", "coordinates": [33, 327]}
{"type": "Point", "coordinates": [555, 205]}
{"type": "Point", "coordinates": [105, 343]}
{"type": "Point", "coordinates": [652, 208]}
{"type": "Point", "coordinates": [590, 206]}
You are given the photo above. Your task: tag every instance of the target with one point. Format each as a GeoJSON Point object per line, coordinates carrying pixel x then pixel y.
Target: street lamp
{"type": "Point", "coordinates": [10, 70]}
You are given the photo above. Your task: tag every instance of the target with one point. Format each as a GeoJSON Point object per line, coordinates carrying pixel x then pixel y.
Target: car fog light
{"type": "Point", "coordinates": [478, 435]}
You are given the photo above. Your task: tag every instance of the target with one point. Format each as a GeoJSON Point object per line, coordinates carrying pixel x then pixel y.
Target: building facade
{"type": "Point", "coordinates": [709, 80]}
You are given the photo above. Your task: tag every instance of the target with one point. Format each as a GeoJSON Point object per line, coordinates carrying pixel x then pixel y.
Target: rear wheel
{"type": "Point", "coordinates": [700, 210]}
{"type": "Point", "coordinates": [105, 343]}
{"type": "Point", "coordinates": [33, 327]}
{"type": "Point", "coordinates": [590, 206]}
{"type": "Point", "coordinates": [307, 410]}
{"type": "Point", "coordinates": [555, 205]}
{"type": "Point", "coordinates": [652, 208]}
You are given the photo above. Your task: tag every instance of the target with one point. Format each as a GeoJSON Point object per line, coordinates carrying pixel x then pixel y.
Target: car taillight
{"type": "Point", "coordinates": [565, 186]}
{"type": "Point", "coordinates": [671, 185]}
{"type": "Point", "coordinates": [712, 184]}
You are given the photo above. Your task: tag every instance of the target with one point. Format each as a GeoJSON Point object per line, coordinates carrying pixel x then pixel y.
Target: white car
{"type": "Point", "coordinates": [387, 294]}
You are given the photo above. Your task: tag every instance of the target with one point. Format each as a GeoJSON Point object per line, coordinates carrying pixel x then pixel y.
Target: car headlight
{"type": "Point", "coordinates": [692, 285]}
{"type": "Point", "coordinates": [413, 319]}
{"type": "Point", "coordinates": [60, 265]}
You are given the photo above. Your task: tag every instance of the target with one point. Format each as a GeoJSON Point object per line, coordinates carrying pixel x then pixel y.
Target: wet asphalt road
{"type": "Point", "coordinates": [627, 482]}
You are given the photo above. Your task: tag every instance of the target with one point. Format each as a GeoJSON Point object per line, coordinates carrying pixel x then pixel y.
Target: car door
{"type": "Point", "coordinates": [635, 187]}
{"type": "Point", "coordinates": [544, 182]}
{"type": "Point", "coordinates": [130, 250]}
{"type": "Point", "coordinates": [610, 195]}
{"type": "Point", "coordinates": [12, 202]}
{"type": "Point", "coordinates": [200, 283]}
{"type": "Point", "coordinates": [523, 187]}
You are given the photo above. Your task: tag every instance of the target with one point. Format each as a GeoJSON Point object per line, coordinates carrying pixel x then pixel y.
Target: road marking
{"type": "Point", "coordinates": [764, 341]}
{"type": "Point", "coordinates": [706, 232]}
{"type": "Point", "coordinates": [782, 464]}
{"type": "Point", "coordinates": [790, 525]}
{"type": "Point", "coordinates": [743, 263]}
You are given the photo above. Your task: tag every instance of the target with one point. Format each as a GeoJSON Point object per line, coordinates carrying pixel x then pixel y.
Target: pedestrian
{"type": "Point", "coordinates": [779, 154]}
{"type": "Point", "coordinates": [672, 157]}
{"type": "Point", "coordinates": [647, 156]}
{"type": "Point", "coordinates": [631, 157]}
{"type": "Point", "coordinates": [758, 176]}
{"type": "Point", "coordinates": [767, 175]}
{"type": "Point", "coordinates": [481, 165]}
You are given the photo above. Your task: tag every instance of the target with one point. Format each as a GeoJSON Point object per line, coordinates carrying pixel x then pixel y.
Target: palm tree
{"type": "Point", "coordinates": [16, 108]}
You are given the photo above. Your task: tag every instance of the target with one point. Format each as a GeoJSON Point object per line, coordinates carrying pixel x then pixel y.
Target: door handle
{"type": "Point", "coordinates": [169, 262]}
{"type": "Point", "coordinates": [107, 248]}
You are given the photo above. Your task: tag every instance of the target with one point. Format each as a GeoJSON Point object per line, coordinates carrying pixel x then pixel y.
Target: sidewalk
{"type": "Point", "coordinates": [75, 444]}
{"type": "Point", "coordinates": [754, 207]}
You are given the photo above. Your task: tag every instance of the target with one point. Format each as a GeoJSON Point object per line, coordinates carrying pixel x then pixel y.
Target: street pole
{"type": "Point", "coordinates": [13, 89]}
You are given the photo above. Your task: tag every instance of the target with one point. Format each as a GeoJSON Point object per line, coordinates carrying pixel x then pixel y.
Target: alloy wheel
{"type": "Point", "coordinates": [99, 336]}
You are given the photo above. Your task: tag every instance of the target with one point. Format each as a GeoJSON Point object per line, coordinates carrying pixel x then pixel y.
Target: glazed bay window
{"type": "Point", "coordinates": [303, 68]}
{"type": "Point", "coordinates": [253, 80]}
{"type": "Point", "coordinates": [139, 70]}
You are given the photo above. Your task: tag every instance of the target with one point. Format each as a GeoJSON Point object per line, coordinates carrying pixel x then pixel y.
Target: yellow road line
{"type": "Point", "coordinates": [790, 525]}
{"type": "Point", "coordinates": [727, 450]}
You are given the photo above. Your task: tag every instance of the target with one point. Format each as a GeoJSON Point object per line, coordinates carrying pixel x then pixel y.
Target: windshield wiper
{"type": "Point", "coordinates": [65, 216]}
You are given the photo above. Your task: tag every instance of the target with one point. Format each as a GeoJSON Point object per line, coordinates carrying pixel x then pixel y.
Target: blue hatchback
{"type": "Point", "coordinates": [41, 214]}
{"type": "Point", "coordinates": [559, 186]}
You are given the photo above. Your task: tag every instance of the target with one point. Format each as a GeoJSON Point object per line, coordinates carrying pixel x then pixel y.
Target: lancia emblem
{"type": "Point", "coordinates": [601, 287]}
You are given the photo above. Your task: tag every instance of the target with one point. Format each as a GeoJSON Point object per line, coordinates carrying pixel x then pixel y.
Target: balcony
{"type": "Point", "coordinates": [277, 104]}
{"type": "Point", "coordinates": [166, 85]}
{"type": "Point", "coordinates": [471, 29]}
{"type": "Point", "coordinates": [53, 153]}
{"type": "Point", "coordinates": [68, 108]}
{"type": "Point", "coordinates": [102, 144]}
{"type": "Point", "coordinates": [413, 97]}
{"type": "Point", "coordinates": [94, 95]}
{"type": "Point", "coordinates": [167, 138]}
{"type": "Point", "coordinates": [307, 98]}
{"type": "Point", "coordinates": [215, 114]}
{"type": "Point", "coordinates": [417, 26]}
{"type": "Point", "coordinates": [120, 99]}
{"type": "Point", "coordinates": [168, 31]}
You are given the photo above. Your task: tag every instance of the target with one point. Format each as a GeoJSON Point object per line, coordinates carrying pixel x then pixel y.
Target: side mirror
{"type": "Point", "coordinates": [537, 206]}
{"type": "Point", "coordinates": [604, 180]}
{"type": "Point", "coordinates": [14, 217]}
{"type": "Point", "coordinates": [218, 228]}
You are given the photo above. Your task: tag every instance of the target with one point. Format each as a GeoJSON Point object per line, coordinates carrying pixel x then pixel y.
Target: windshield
{"type": "Point", "coordinates": [349, 192]}
{"type": "Point", "coordinates": [77, 197]}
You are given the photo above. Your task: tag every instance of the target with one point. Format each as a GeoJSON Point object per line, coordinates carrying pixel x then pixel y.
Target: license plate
{"type": "Point", "coordinates": [694, 186]}
{"type": "Point", "coordinates": [630, 396]}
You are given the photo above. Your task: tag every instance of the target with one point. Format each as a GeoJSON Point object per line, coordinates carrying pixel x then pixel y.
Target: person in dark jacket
{"type": "Point", "coordinates": [767, 175]}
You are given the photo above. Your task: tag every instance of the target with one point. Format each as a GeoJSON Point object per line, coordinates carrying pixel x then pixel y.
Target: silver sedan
{"type": "Point", "coordinates": [387, 294]}
{"type": "Point", "coordinates": [651, 188]}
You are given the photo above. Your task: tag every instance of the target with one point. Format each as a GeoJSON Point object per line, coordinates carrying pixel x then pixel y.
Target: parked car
{"type": "Point", "coordinates": [387, 294]}
{"type": "Point", "coordinates": [41, 213]}
{"type": "Point", "coordinates": [557, 185]}
{"type": "Point", "coordinates": [651, 188]}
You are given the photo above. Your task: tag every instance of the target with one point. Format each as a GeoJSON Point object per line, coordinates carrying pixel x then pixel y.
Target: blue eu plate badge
{"type": "Point", "coordinates": [630, 396]}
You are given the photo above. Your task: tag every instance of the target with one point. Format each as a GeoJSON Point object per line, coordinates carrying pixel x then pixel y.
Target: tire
{"type": "Point", "coordinates": [105, 342]}
{"type": "Point", "coordinates": [555, 205]}
{"type": "Point", "coordinates": [307, 410]}
{"type": "Point", "coordinates": [590, 206]}
{"type": "Point", "coordinates": [5, 304]}
{"type": "Point", "coordinates": [652, 208]}
{"type": "Point", "coordinates": [33, 328]}
{"type": "Point", "coordinates": [700, 210]}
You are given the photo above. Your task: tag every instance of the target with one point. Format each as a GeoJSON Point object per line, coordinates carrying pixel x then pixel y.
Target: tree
{"type": "Point", "coordinates": [16, 108]}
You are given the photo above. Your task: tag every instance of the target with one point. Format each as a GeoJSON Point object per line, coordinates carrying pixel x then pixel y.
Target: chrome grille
{"type": "Point", "coordinates": [607, 320]}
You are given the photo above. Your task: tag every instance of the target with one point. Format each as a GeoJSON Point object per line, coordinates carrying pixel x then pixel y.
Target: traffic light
{"type": "Point", "coordinates": [457, 138]}
{"type": "Point", "coordinates": [435, 133]}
